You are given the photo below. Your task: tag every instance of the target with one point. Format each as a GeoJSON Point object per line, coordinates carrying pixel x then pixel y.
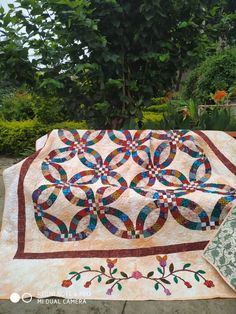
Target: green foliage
{"type": "Point", "coordinates": [48, 109]}
{"type": "Point", "coordinates": [17, 137]}
{"type": "Point", "coordinates": [156, 108]}
{"type": "Point", "coordinates": [153, 115]}
{"type": "Point", "coordinates": [217, 72]}
{"type": "Point", "coordinates": [151, 120]}
{"type": "Point", "coordinates": [113, 53]}
{"type": "Point", "coordinates": [232, 90]}
{"type": "Point", "coordinates": [17, 105]}
{"type": "Point", "coordinates": [6, 88]}
{"type": "Point", "coordinates": [14, 62]}
{"type": "Point", "coordinates": [20, 104]}
{"type": "Point", "coordinates": [188, 117]}
{"type": "Point", "coordinates": [215, 119]}
{"type": "Point", "coordinates": [174, 119]}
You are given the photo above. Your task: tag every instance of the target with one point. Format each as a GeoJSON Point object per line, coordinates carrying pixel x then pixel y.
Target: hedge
{"type": "Point", "coordinates": [17, 136]}
{"type": "Point", "coordinates": [217, 72]}
{"type": "Point", "coordinates": [152, 120]}
{"type": "Point", "coordinates": [157, 108]}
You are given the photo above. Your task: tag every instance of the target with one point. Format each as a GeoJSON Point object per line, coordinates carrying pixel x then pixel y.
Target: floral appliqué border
{"type": "Point", "coordinates": [162, 277]}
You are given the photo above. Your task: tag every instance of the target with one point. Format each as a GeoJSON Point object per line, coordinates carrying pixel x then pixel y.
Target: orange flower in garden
{"type": "Point", "coordinates": [219, 94]}
{"type": "Point", "coordinates": [66, 283]}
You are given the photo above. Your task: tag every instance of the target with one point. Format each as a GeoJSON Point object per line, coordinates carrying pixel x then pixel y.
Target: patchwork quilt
{"type": "Point", "coordinates": [127, 214]}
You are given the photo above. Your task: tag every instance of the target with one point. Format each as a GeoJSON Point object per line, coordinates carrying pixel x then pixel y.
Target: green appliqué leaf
{"type": "Point", "coordinates": [123, 274]}
{"type": "Point", "coordinates": [99, 278]}
{"type": "Point", "coordinates": [156, 286]}
{"type": "Point", "coordinates": [160, 270]}
{"type": "Point", "coordinates": [110, 281]}
{"type": "Point", "coordinates": [201, 271]}
{"type": "Point", "coordinates": [176, 279]}
{"type": "Point", "coordinates": [73, 273]}
{"type": "Point", "coordinates": [77, 277]}
{"type": "Point", "coordinates": [119, 286]}
{"type": "Point", "coordinates": [102, 269]}
{"type": "Point", "coordinates": [165, 281]}
{"type": "Point", "coordinates": [196, 277]}
{"type": "Point", "coordinates": [186, 265]}
{"type": "Point", "coordinates": [150, 274]}
{"type": "Point", "coordinates": [87, 267]}
{"type": "Point", "coordinates": [114, 271]}
{"type": "Point", "coordinates": [171, 268]}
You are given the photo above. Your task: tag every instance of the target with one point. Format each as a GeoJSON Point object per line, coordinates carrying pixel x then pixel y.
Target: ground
{"type": "Point", "coordinates": [216, 306]}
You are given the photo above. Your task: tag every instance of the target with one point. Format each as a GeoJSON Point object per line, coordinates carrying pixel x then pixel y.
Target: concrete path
{"type": "Point", "coordinates": [57, 306]}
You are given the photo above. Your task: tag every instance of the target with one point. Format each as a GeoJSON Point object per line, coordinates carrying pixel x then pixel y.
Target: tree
{"type": "Point", "coordinates": [106, 58]}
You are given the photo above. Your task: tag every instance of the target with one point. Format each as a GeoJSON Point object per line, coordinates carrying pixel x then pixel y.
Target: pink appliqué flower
{"type": "Point", "coordinates": [162, 260]}
{"type": "Point", "coordinates": [167, 291]}
{"type": "Point", "coordinates": [109, 291]}
{"type": "Point", "coordinates": [137, 275]}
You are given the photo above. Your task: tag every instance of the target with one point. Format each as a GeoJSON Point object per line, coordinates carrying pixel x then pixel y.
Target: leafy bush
{"type": "Point", "coordinates": [48, 110]}
{"type": "Point", "coordinates": [21, 104]}
{"type": "Point", "coordinates": [17, 136]}
{"type": "Point", "coordinates": [217, 119]}
{"type": "Point", "coordinates": [151, 120]}
{"type": "Point", "coordinates": [17, 105]}
{"type": "Point", "coordinates": [188, 117]}
{"type": "Point", "coordinates": [156, 108]}
{"type": "Point", "coordinates": [6, 88]}
{"type": "Point", "coordinates": [176, 118]}
{"type": "Point", "coordinates": [217, 72]}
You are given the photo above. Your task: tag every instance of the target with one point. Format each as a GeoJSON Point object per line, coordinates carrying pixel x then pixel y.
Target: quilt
{"type": "Point", "coordinates": [120, 214]}
{"type": "Point", "coordinates": [221, 250]}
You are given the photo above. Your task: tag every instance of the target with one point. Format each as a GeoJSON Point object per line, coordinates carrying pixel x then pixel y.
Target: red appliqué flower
{"type": "Point", "coordinates": [209, 284]}
{"type": "Point", "coordinates": [87, 284]}
{"type": "Point", "coordinates": [187, 284]}
{"type": "Point", "coordinates": [66, 283]}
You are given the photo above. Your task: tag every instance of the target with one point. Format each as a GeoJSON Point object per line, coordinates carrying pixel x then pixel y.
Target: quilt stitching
{"type": "Point", "coordinates": [105, 168]}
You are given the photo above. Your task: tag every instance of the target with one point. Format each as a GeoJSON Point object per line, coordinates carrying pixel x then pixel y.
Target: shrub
{"type": "Point", "coordinates": [17, 136]}
{"type": "Point", "coordinates": [6, 88]}
{"type": "Point", "coordinates": [156, 108]}
{"type": "Point", "coordinates": [48, 110]}
{"type": "Point", "coordinates": [217, 119]}
{"type": "Point", "coordinates": [21, 104]}
{"type": "Point", "coordinates": [217, 72]}
{"type": "Point", "coordinates": [188, 117]}
{"type": "Point", "coordinates": [153, 114]}
{"type": "Point", "coordinates": [17, 105]}
{"type": "Point", "coordinates": [151, 120]}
